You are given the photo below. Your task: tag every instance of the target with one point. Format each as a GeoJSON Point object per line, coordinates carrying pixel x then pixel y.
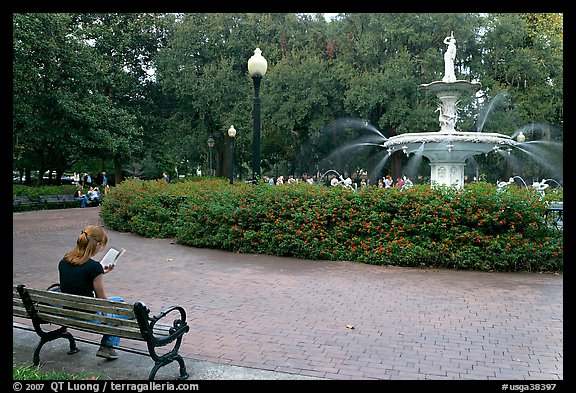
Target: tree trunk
{"type": "Point", "coordinates": [117, 171]}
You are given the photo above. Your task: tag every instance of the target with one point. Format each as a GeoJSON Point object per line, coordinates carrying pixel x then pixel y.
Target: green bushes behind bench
{"type": "Point", "coordinates": [36, 191]}
{"type": "Point", "coordinates": [476, 228]}
{"type": "Point", "coordinates": [33, 193]}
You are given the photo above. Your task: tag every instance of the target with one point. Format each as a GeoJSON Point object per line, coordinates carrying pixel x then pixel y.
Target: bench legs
{"type": "Point", "coordinates": [51, 336]}
{"type": "Point", "coordinates": [160, 362]}
{"type": "Point", "coordinates": [62, 332]}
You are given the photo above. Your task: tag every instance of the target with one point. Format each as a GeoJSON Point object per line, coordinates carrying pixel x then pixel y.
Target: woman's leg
{"type": "Point", "coordinates": [108, 342]}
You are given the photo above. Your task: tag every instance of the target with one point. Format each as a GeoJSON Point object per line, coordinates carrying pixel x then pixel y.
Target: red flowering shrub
{"type": "Point", "coordinates": [478, 227]}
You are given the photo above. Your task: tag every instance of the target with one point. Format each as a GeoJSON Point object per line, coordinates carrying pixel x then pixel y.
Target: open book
{"type": "Point", "coordinates": [112, 257]}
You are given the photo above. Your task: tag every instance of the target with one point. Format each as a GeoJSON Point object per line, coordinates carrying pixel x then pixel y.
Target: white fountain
{"type": "Point", "coordinates": [448, 149]}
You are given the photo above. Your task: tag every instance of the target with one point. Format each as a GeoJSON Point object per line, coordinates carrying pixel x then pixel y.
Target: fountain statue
{"type": "Point", "coordinates": [449, 57]}
{"type": "Point", "coordinates": [448, 148]}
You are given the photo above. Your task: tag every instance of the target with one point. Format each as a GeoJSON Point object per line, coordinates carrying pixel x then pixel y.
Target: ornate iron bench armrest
{"type": "Point", "coordinates": [156, 333]}
{"type": "Point", "coordinates": [155, 330]}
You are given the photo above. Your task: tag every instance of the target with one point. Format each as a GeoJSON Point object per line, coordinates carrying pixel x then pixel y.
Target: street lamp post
{"type": "Point", "coordinates": [211, 142]}
{"type": "Point", "coordinates": [257, 66]}
{"type": "Point", "coordinates": [232, 135]}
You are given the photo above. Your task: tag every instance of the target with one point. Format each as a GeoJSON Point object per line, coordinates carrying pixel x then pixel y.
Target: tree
{"type": "Point", "coordinates": [65, 106]}
{"type": "Point", "coordinates": [51, 75]}
{"type": "Point", "coordinates": [126, 45]}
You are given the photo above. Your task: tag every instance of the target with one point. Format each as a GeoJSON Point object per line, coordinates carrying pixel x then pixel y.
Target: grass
{"type": "Point", "coordinates": [21, 372]}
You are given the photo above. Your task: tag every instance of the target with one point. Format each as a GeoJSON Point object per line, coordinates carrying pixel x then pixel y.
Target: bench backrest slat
{"type": "Point", "coordinates": [66, 198]}
{"type": "Point", "coordinates": [46, 309]}
{"type": "Point", "coordinates": [18, 308]}
{"type": "Point", "coordinates": [92, 326]}
{"type": "Point", "coordinates": [23, 200]}
{"type": "Point", "coordinates": [88, 304]}
{"type": "Point", "coordinates": [49, 198]}
{"type": "Point", "coordinates": [68, 317]}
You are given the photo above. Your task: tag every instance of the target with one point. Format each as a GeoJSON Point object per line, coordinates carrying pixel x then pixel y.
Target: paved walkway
{"type": "Point", "coordinates": [319, 319]}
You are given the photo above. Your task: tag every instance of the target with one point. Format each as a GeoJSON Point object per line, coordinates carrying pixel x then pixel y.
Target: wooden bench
{"type": "Point", "coordinates": [54, 313]}
{"type": "Point", "coordinates": [69, 200]}
{"type": "Point", "coordinates": [50, 201]}
{"type": "Point", "coordinates": [62, 201]}
{"type": "Point", "coordinates": [23, 203]}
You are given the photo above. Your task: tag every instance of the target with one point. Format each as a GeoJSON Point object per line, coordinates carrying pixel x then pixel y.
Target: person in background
{"type": "Point", "coordinates": [81, 275]}
{"type": "Point", "coordinates": [104, 180]}
{"type": "Point", "coordinates": [95, 195]}
{"type": "Point", "coordinates": [388, 181]}
{"type": "Point", "coordinates": [166, 177]}
{"type": "Point", "coordinates": [407, 182]}
{"type": "Point", "coordinates": [87, 180]}
{"type": "Point", "coordinates": [80, 196]}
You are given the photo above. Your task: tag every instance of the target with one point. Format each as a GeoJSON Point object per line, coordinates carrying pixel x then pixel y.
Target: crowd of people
{"type": "Point", "coordinates": [88, 191]}
{"type": "Point", "coordinates": [341, 181]}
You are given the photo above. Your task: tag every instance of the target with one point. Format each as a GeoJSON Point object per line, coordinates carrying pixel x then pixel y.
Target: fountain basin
{"type": "Point", "coordinates": [464, 144]}
{"type": "Point", "coordinates": [448, 151]}
{"type": "Point", "coordinates": [450, 88]}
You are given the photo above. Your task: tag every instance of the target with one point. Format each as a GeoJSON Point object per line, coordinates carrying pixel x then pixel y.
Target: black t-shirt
{"type": "Point", "coordinates": [79, 279]}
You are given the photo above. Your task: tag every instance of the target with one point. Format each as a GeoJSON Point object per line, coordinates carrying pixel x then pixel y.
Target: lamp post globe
{"type": "Point", "coordinates": [257, 66]}
{"type": "Point", "coordinates": [211, 141]}
{"type": "Point", "coordinates": [231, 135]}
{"type": "Point", "coordinates": [521, 137]}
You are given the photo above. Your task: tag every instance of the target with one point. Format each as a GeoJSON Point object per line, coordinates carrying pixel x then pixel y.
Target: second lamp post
{"type": "Point", "coordinates": [232, 135]}
{"type": "Point", "coordinates": [211, 141]}
{"type": "Point", "coordinates": [257, 66]}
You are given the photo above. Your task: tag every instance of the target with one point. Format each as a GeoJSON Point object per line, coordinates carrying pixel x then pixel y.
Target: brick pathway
{"type": "Point", "coordinates": [335, 320]}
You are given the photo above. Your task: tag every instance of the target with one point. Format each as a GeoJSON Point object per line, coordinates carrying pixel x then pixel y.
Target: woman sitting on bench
{"type": "Point", "coordinates": [82, 275]}
{"type": "Point", "coordinates": [94, 195]}
{"type": "Point", "coordinates": [79, 196]}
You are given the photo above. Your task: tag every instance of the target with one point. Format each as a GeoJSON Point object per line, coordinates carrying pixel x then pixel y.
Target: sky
{"type": "Point", "coordinates": [329, 16]}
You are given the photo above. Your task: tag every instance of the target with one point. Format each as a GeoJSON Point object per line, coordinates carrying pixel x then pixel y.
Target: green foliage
{"type": "Point", "coordinates": [21, 372]}
{"type": "Point", "coordinates": [479, 227]}
{"type": "Point", "coordinates": [146, 208]}
{"type": "Point", "coordinates": [36, 191]}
